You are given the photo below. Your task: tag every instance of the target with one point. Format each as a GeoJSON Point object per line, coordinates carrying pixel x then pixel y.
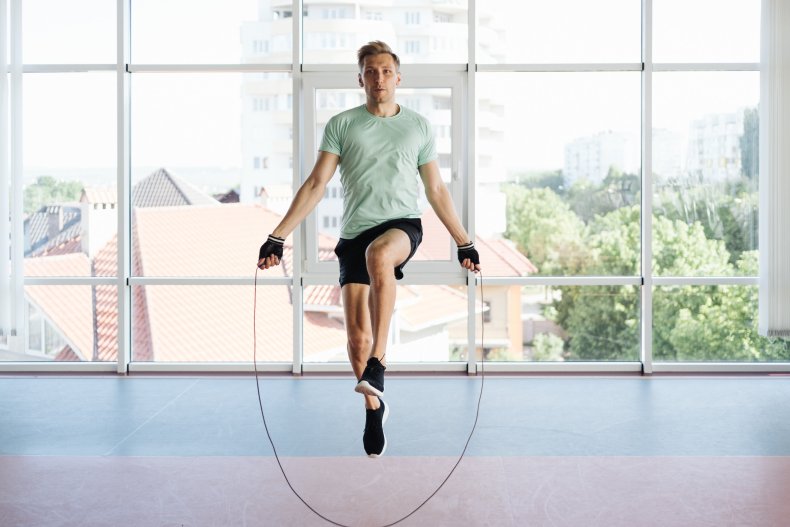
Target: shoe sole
{"type": "Point", "coordinates": [365, 388]}
{"type": "Point", "coordinates": [383, 421]}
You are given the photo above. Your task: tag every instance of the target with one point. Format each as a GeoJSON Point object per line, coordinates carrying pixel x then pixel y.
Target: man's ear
{"type": "Point", "coordinates": [359, 78]}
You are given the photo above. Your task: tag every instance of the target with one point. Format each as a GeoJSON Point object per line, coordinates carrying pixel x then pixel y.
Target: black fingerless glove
{"type": "Point", "coordinates": [272, 246]}
{"type": "Point", "coordinates": [468, 251]}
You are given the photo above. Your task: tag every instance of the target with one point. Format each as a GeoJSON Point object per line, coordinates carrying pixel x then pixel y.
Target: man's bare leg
{"type": "Point", "coordinates": [359, 332]}
{"type": "Point", "coordinates": [385, 253]}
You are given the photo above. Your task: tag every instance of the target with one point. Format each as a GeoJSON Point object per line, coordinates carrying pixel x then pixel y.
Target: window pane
{"type": "Point", "coordinates": [435, 104]}
{"type": "Point", "coordinates": [179, 323]}
{"type": "Point", "coordinates": [193, 162]}
{"type": "Point", "coordinates": [711, 323]}
{"type": "Point", "coordinates": [558, 172]}
{"type": "Point", "coordinates": [184, 31]}
{"type": "Point", "coordinates": [533, 31]}
{"type": "Point", "coordinates": [68, 322]}
{"type": "Point", "coordinates": [428, 325]}
{"type": "Point", "coordinates": [705, 152]}
{"type": "Point", "coordinates": [706, 31]}
{"type": "Point", "coordinates": [556, 324]}
{"type": "Point", "coordinates": [70, 170]}
{"type": "Point", "coordinates": [420, 32]}
{"type": "Point", "coordinates": [57, 32]}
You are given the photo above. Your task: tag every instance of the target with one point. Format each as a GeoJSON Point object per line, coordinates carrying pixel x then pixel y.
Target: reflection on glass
{"type": "Point", "coordinates": [558, 172]}
{"type": "Point", "coordinates": [185, 323]}
{"type": "Point", "coordinates": [705, 166]}
{"type": "Point", "coordinates": [557, 324]}
{"type": "Point", "coordinates": [574, 31]}
{"type": "Point", "coordinates": [706, 31]}
{"type": "Point", "coordinates": [428, 324]}
{"type": "Point", "coordinates": [76, 323]}
{"type": "Point", "coordinates": [711, 323]}
{"type": "Point", "coordinates": [69, 172]}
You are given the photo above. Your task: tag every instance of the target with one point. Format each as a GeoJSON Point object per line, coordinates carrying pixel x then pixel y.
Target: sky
{"type": "Point", "coordinates": [71, 118]}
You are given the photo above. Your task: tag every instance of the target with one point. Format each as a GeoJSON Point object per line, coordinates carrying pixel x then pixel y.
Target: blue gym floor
{"type": "Point", "coordinates": [729, 432]}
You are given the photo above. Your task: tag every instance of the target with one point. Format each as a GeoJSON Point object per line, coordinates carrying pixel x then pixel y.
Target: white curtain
{"type": "Point", "coordinates": [775, 169]}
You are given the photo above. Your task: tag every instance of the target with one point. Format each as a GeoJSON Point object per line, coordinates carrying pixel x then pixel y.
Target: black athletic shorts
{"type": "Point", "coordinates": [351, 253]}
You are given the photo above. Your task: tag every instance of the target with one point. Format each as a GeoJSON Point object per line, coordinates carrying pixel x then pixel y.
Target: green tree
{"type": "Point", "coordinates": [47, 190]}
{"type": "Point", "coordinates": [603, 321]}
{"type": "Point", "coordinates": [545, 229]}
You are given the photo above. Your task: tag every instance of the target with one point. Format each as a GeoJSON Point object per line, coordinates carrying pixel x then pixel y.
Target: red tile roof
{"type": "Point", "coordinates": [67, 307]}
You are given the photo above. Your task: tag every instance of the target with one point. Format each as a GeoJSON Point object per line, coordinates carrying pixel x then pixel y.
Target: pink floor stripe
{"type": "Point", "coordinates": [496, 491]}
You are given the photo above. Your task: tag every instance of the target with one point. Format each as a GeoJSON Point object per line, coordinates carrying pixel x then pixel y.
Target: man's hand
{"type": "Point", "coordinates": [271, 252]}
{"type": "Point", "coordinates": [468, 257]}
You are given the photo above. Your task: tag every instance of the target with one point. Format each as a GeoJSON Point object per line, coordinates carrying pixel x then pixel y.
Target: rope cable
{"type": "Point", "coordinates": [274, 449]}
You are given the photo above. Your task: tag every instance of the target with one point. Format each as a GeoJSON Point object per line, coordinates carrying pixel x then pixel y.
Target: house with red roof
{"type": "Point", "coordinates": [180, 232]}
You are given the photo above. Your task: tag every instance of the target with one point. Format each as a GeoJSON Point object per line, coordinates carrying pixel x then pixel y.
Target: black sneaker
{"type": "Point", "coordinates": [372, 381]}
{"type": "Point", "coordinates": [374, 440]}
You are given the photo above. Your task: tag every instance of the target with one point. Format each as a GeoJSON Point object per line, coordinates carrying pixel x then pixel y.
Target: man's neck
{"type": "Point", "coordinates": [387, 109]}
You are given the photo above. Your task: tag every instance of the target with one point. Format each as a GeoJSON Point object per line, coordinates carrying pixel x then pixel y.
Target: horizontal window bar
{"type": "Point", "coordinates": [181, 68]}
{"type": "Point", "coordinates": [208, 367]}
{"type": "Point", "coordinates": [417, 367]}
{"type": "Point", "coordinates": [427, 69]}
{"type": "Point", "coordinates": [560, 280]}
{"type": "Point", "coordinates": [70, 280]}
{"type": "Point", "coordinates": [67, 68]}
{"type": "Point", "coordinates": [604, 66]}
{"type": "Point", "coordinates": [721, 367]}
{"type": "Point", "coordinates": [559, 367]}
{"type": "Point", "coordinates": [723, 66]}
{"type": "Point", "coordinates": [409, 279]}
{"type": "Point", "coordinates": [705, 280]}
{"type": "Point", "coordinates": [209, 280]}
{"type": "Point", "coordinates": [59, 367]}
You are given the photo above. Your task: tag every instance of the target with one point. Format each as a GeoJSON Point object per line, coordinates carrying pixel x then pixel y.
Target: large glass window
{"type": "Point", "coordinates": [571, 31]}
{"type": "Point", "coordinates": [705, 168]}
{"type": "Point", "coordinates": [428, 325]}
{"type": "Point", "coordinates": [706, 31]}
{"type": "Point", "coordinates": [711, 323]}
{"type": "Point", "coordinates": [69, 161]}
{"type": "Point", "coordinates": [560, 108]}
{"type": "Point", "coordinates": [201, 201]}
{"type": "Point", "coordinates": [209, 323]}
{"type": "Point", "coordinates": [561, 152]}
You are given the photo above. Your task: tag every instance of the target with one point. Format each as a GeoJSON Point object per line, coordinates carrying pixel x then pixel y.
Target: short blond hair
{"type": "Point", "coordinates": [375, 47]}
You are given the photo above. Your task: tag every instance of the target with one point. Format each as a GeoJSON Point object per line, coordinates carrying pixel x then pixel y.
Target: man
{"type": "Point", "coordinates": [380, 147]}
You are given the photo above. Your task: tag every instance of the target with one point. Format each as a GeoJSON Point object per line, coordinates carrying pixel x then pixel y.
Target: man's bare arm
{"type": "Point", "coordinates": [442, 203]}
{"type": "Point", "coordinates": [307, 197]}
{"type": "Point", "coordinates": [309, 194]}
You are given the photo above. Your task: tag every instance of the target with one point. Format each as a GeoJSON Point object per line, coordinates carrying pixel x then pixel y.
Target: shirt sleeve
{"type": "Point", "coordinates": [331, 141]}
{"type": "Point", "coordinates": [428, 150]}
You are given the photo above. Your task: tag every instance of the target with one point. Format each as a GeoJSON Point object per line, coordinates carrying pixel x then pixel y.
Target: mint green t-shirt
{"type": "Point", "coordinates": [379, 157]}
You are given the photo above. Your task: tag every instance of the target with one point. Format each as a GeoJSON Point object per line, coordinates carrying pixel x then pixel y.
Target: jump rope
{"type": "Point", "coordinates": [274, 449]}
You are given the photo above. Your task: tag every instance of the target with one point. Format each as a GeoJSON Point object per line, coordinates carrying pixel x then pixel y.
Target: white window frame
{"type": "Point", "coordinates": [314, 81]}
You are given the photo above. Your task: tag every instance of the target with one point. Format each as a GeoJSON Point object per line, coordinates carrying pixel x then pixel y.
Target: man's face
{"type": "Point", "coordinates": [379, 77]}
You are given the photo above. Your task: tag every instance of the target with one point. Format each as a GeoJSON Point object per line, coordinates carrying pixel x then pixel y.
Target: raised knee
{"type": "Point", "coordinates": [360, 343]}
{"type": "Point", "coordinates": [376, 260]}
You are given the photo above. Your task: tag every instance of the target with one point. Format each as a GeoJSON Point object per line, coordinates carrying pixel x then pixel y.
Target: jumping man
{"type": "Point", "coordinates": [380, 147]}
